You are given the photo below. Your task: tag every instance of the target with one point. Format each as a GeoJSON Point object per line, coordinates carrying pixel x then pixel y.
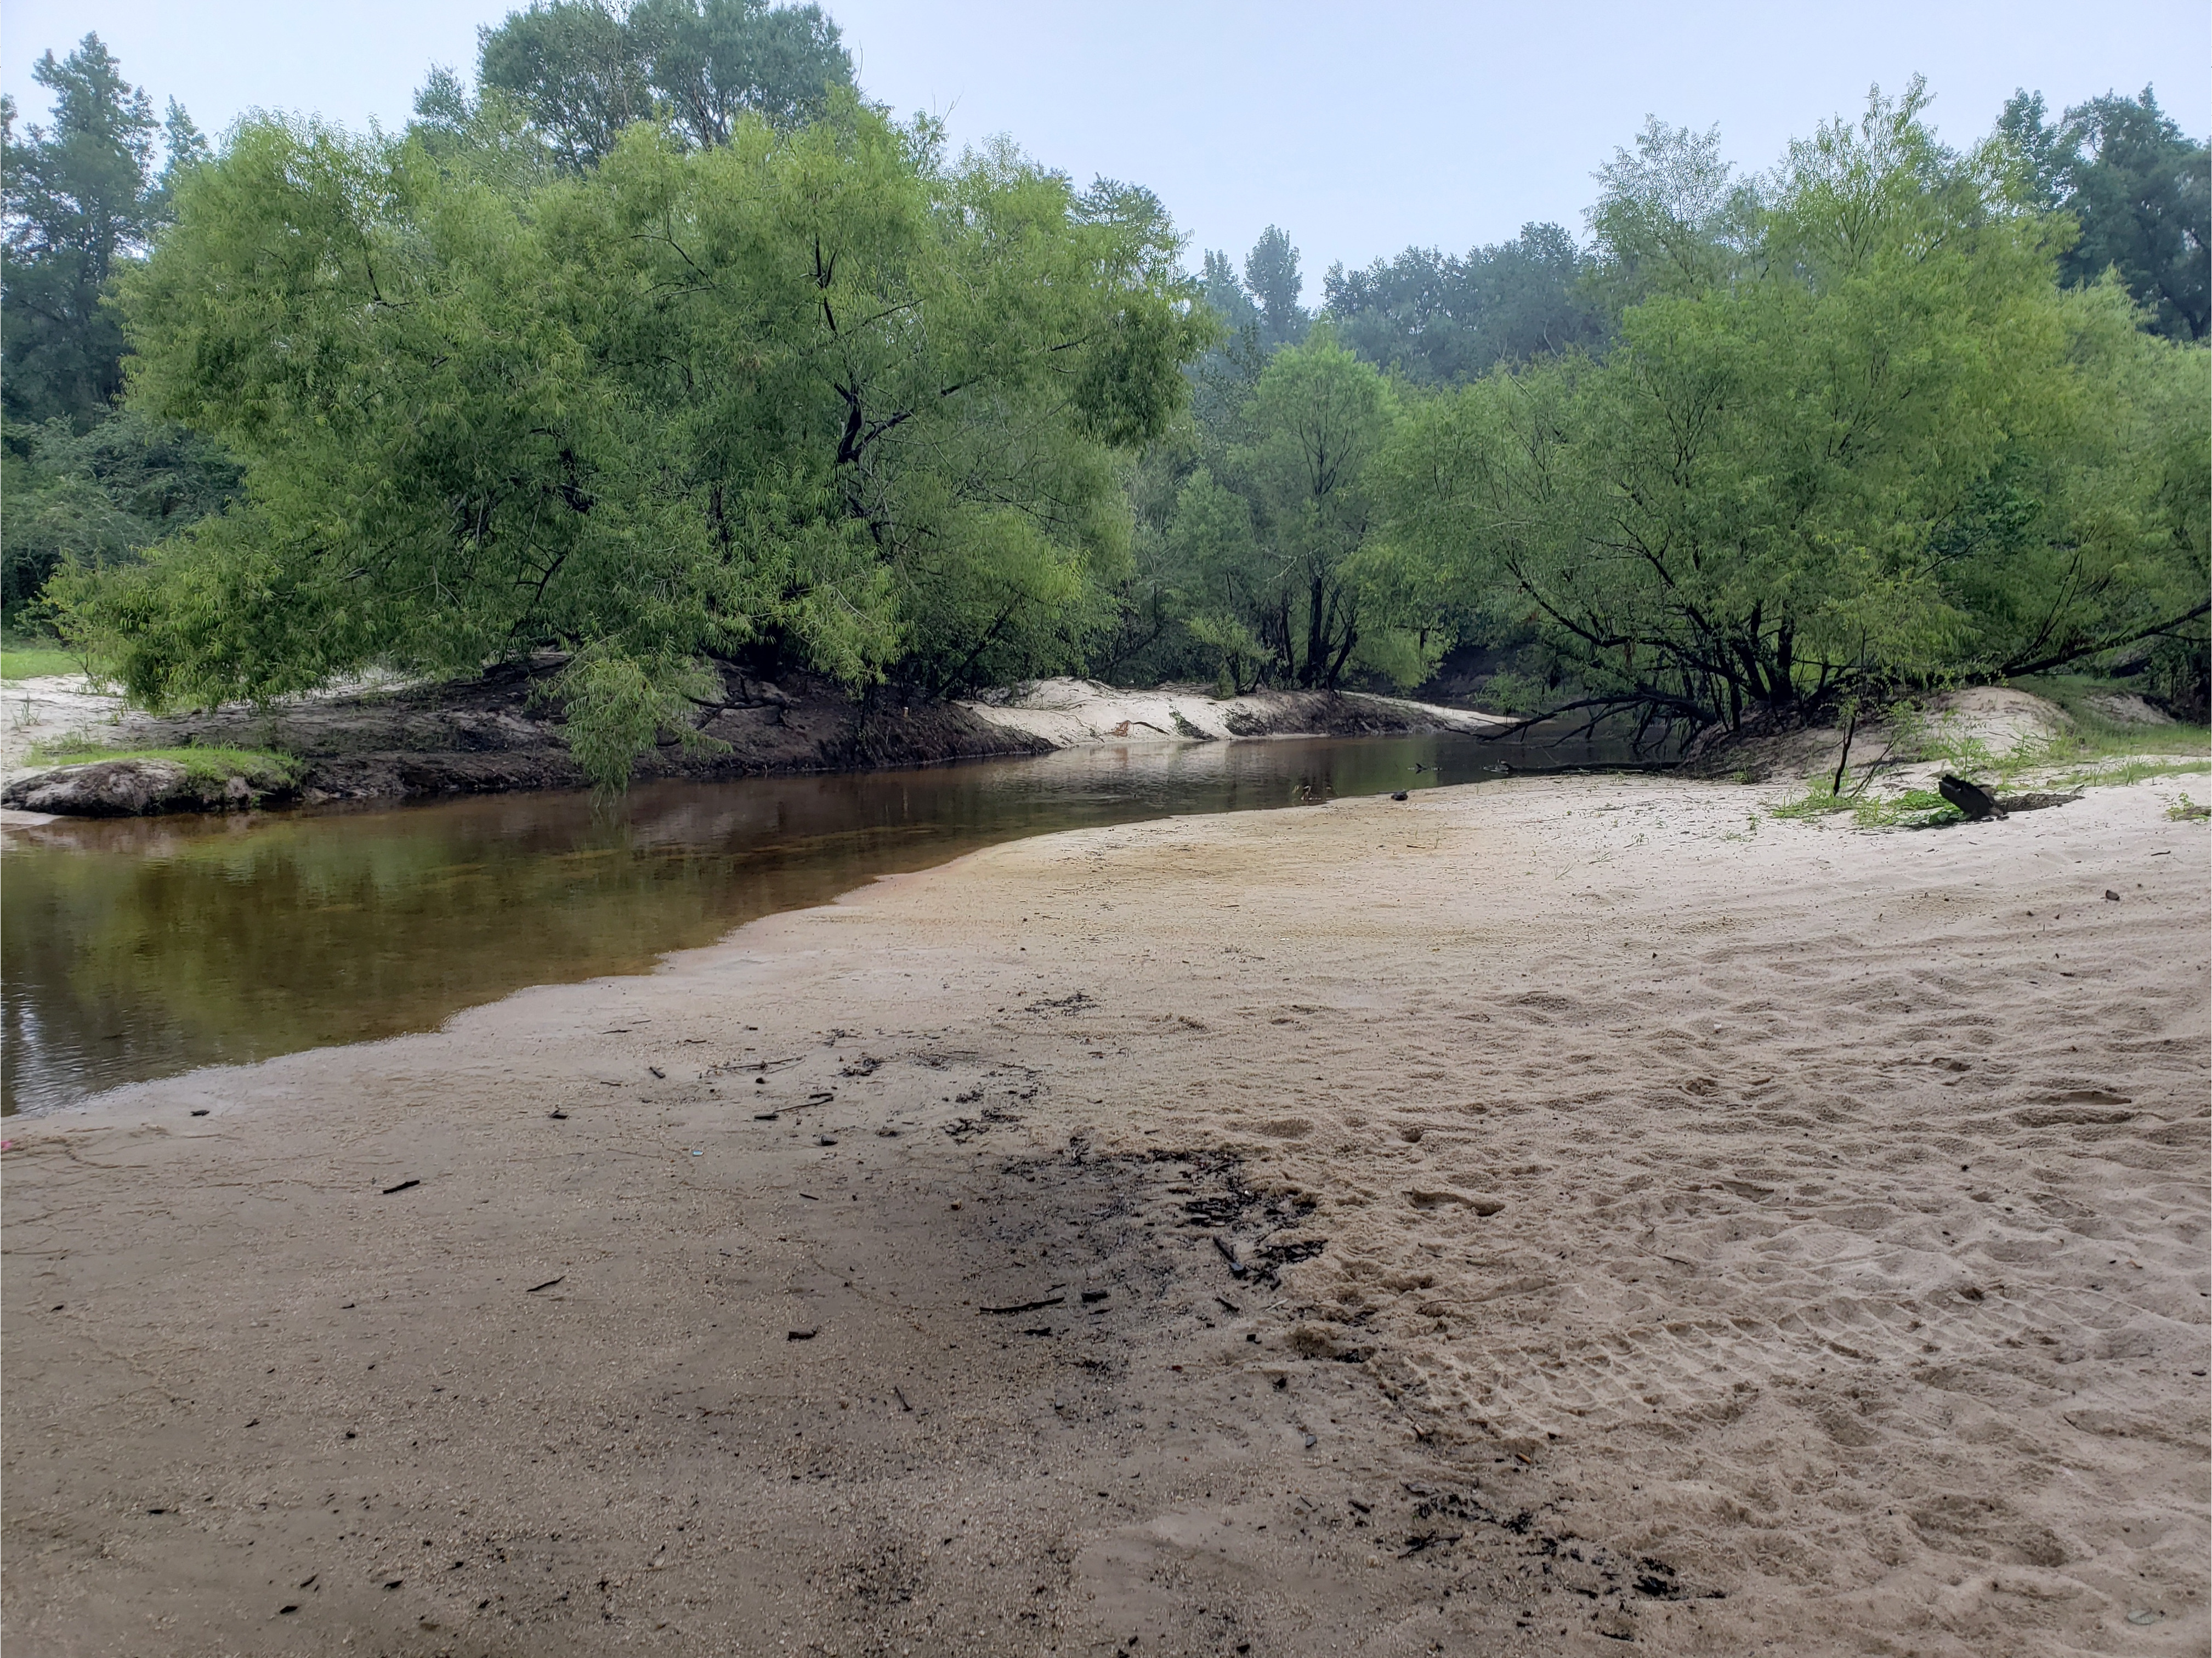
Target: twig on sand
{"type": "Point", "coordinates": [1026, 1306]}
{"type": "Point", "coordinates": [1422, 1541]}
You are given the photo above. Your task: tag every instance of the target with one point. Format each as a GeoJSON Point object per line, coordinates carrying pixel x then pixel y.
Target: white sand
{"type": "Point", "coordinates": [52, 709]}
{"type": "Point", "coordinates": [1081, 713]}
{"type": "Point", "coordinates": [1741, 1235]}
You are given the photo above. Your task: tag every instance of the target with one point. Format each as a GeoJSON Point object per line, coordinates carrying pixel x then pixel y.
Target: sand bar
{"type": "Point", "coordinates": [1544, 1217]}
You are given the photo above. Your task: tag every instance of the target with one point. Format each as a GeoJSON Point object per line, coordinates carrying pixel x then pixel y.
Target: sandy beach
{"type": "Point", "coordinates": [1547, 1216]}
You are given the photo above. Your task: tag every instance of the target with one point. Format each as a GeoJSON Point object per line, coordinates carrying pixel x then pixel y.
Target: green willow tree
{"type": "Point", "coordinates": [1280, 574]}
{"type": "Point", "coordinates": [819, 396]}
{"type": "Point", "coordinates": [1851, 431]}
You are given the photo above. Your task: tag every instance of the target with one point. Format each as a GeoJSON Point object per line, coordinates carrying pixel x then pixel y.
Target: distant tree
{"type": "Point", "coordinates": [98, 499]}
{"type": "Point", "coordinates": [585, 70]}
{"type": "Point", "coordinates": [442, 103]}
{"type": "Point", "coordinates": [1440, 319]}
{"type": "Point", "coordinates": [1671, 215]}
{"type": "Point", "coordinates": [1225, 293]}
{"type": "Point", "coordinates": [77, 200]}
{"type": "Point", "coordinates": [2041, 153]}
{"type": "Point", "coordinates": [712, 59]}
{"type": "Point", "coordinates": [573, 65]}
{"type": "Point", "coordinates": [1272, 278]}
{"type": "Point", "coordinates": [1278, 573]}
{"type": "Point", "coordinates": [1258, 314]}
{"type": "Point", "coordinates": [2141, 191]}
{"type": "Point", "coordinates": [1224, 377]}
{"type": "Point", "coordinates": [80, 202]}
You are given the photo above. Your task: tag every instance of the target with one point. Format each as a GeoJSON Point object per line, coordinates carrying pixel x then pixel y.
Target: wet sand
{"type": "Point", "coordinates": [1537, 1217]}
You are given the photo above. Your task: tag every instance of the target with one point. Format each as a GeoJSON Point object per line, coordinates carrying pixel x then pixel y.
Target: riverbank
{"type": "Point", "coordinates": [137, 948]}
{"type": "Point", "coordinates": [1536, 1216]}
{"type": "Point", "coordinates": [495, 736]}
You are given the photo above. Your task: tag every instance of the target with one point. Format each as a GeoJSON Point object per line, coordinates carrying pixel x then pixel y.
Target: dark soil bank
{"type": "Point", "coordinates": [497, 734]}
{"type": "Point", "coordinates": [494, 735]}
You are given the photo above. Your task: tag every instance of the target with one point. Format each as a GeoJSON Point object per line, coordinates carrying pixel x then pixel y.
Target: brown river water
{"type": "Point", "coordinates": [142, 948]}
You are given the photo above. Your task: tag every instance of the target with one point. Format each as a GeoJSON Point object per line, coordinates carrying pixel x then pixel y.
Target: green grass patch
{"type": "Point", "coordinates": [2077, 693]}
{"type": "Point", "coordinates": [1914, 809]}
{"type": "Point", "coordinates": [2127, 743]}
{"type": "Point", "coordinates": [1815, 802]}
{"type": "Point", "coordinates": [2134, 771]}
{"type": "Point", "coordinates": [19, 662]}
{"type": "Point", "coordinates": [1926, 808]}
{"type": "Point", "coordinates": [2099, 749]}
{"type": "Point", "coordinates": [2093, 751]}
{"type": "Point", "coordinates": [264, 768]}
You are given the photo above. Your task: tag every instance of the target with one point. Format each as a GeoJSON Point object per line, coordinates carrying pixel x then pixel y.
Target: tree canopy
{"type": "Point", "coordinates": [2140, 191]}
{"type": "Point", "coordinates": [80, 197]}
{"type": "Point", "coordinates": [654, 350]}
{"type": "Point", "coordinates": [1854, 435]}
{"type": "Point", "coordinates": [1441, 319]}
{"type": "Point", "coordinates": [1271, 533]}
{"type": "Point", "coordinates": [822, 394]}
{"type": "Point", "coordinates": [583, 71]}
{"type": "Point", "coordinates": [99, 498]}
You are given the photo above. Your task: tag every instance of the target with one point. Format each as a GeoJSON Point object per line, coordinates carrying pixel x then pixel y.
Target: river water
{"type": "Point", "coordinates": [142, 948]}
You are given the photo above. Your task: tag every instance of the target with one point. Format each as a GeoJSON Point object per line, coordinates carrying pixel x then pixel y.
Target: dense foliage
{"type": "Point", "coordinates": [98, 498]}
{"type": "Point", "coordinates": [82, 199]}
{"type": "Point", "coordinates": [1439, 319]}
{"type": "Point", "coordinates": [820, 395]}
{"type": "Point", "coordinates": [1257, 560]}
{"type": "Point", "coordinates": [653, 347]}
{"type": "Point", "coordinates": [2139, 193]}
{"type": "Point", "coordinates": [586, 70]}
{"type": "Point", "coordinates": [1270, 537]}
{"type": "Point", "coordinates": [1851, 434]}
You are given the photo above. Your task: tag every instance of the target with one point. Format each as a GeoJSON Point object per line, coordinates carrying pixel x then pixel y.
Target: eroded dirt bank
{"type": "Point", "coordinates": [500, 733]}
{"type": "Point", "coordinates": [1536, 1217]}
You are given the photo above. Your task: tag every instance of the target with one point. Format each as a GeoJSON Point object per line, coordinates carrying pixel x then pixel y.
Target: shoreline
{"type": "Point", "coordinates": [465, 901]}
{"type": "Point", "coordinates": [1553, 1271]}
{"type": "Point", "coordinates": [412, 743]}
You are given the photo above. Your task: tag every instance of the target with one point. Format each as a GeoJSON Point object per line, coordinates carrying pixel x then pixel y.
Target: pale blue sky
{"type": "Point", "coordinates": [1358, 128]}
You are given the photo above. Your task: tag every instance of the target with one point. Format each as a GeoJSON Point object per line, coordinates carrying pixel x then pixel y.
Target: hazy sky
{"type": "Point", "coordinates": [1359, 130]}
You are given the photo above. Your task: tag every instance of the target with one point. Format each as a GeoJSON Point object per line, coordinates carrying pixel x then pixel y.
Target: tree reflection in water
{"type": "Point", "coordinates": [140, 949]}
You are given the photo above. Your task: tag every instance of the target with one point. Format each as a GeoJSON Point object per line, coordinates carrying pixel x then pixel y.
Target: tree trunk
{"type": "Point", "coordinates": [1316, 634]}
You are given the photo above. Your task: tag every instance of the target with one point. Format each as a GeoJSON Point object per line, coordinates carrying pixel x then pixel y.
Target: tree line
{"type": "Point", "coordinates": [1887, 417]}
{"type": "Point", "coordinates": [654, 346]}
